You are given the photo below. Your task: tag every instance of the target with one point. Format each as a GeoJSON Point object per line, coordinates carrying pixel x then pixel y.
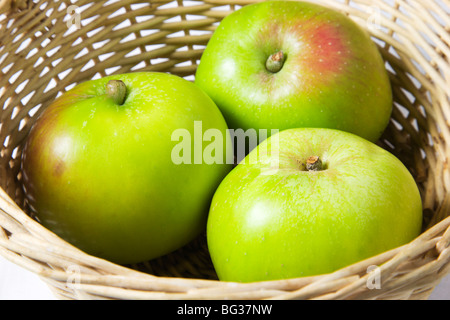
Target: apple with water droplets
{"type": "Point", "coordinates": [289, 64]}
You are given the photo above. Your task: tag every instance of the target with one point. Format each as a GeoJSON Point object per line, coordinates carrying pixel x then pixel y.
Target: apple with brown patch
{"type": "Point", "coordinates": [289, 64]}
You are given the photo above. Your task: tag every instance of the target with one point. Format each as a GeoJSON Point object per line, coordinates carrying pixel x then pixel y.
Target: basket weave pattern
{"type": "Point", "coordinates": [46, 47]}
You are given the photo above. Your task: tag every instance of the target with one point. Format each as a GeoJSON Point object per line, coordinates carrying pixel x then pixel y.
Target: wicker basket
{"type": "Point", "coordinates": [46, 47]}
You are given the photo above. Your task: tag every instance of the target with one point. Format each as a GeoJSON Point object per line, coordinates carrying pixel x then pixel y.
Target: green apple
{"type": "Point", "coordinates": [98, 167]}
{"type": "Point", "coordinates": [290, 64]}
{"type": "Point", "coordinates": [310, 202]}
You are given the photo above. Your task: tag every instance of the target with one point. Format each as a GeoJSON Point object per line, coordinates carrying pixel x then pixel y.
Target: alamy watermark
{"type": "Point", "coordinates": [374, 277]}
{"type": "Point", "coordinates": [373, 22]}
{"type": "Point", "coordinates": [213, 146]}
{"type": "Point", "coordinates": [74, 14]}
{"type": "Point", "coordinates": [74, 279]}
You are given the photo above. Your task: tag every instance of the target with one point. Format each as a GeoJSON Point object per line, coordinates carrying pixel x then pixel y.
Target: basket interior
{"type": "Point", "coordinates": [50, 46]}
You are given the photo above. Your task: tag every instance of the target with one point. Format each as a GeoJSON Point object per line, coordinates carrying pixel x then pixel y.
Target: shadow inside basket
{"type": "Point", "coordinates": [191, 261]}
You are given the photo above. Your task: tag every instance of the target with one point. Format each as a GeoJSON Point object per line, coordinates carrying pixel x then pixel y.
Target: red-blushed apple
{"type": "Point", "coordinates": [98, 166]}
{"type": "Point", "coordinates": [314, 201]}
{"type": "Point", "coordinates": [289, 64]}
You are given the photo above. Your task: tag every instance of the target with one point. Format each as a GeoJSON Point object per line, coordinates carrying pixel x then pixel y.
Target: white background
{"type": "Point", "coordinates": [17, 283]}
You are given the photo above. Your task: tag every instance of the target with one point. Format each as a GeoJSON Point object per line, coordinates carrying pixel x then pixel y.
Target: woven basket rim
{"type": "Point", "coordinates": [349, 278]}
{"type": "Point", "coordinates": [28, 244]}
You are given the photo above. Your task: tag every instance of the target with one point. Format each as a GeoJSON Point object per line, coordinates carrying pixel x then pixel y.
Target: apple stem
{"type": "Point", "coordinates": [116, 90]}
{"type": "Point", "coordinates": [314, 163]}
{"type": "Point", "coordinates": [275, 62]}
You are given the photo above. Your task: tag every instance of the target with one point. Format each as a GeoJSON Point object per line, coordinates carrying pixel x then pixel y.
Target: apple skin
{"type": "Point", "coordinates": [100, 175]}
{"type": "Point", "coordinates": [272, 219]}
{"type": "Point", "coordinates": [333, 75]}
